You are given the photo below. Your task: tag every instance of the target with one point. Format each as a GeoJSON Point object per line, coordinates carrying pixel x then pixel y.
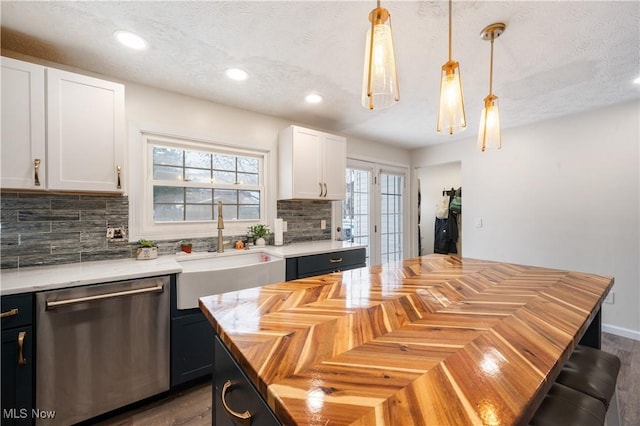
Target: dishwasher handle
{"type": "Point", "coordinates": [66, 302]}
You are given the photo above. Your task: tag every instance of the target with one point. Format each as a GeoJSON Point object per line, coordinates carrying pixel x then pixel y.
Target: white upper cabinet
{"type": "Point", "coordinates": [81, 146]}
{"type": "Point", "coordinates": [312, 164]}
{"type": "Point", "coordinates": [23, 126]}
{"type": "Point", "coordinates": [85, 131]}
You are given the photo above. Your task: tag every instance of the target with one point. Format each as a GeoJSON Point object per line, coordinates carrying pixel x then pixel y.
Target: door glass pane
{"type": "Point", "coordinates": [355, 208]}
{"type": "Point", "coordinates": [391, 216]}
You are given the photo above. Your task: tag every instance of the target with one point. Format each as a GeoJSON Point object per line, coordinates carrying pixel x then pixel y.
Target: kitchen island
{"type": "Point", "coordinates": [434, 340]}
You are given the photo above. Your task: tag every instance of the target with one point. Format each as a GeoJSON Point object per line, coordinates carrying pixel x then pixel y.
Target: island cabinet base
{"type": "Point", "coordinates": [240, 396]}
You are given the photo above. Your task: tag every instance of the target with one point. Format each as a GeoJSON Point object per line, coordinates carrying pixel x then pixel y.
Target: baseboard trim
{"type": "Point", "coordinates": [622, 332]}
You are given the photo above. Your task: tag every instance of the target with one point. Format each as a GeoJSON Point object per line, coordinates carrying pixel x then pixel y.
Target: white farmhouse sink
{"type": "Point", "coordinates": [223, 272]}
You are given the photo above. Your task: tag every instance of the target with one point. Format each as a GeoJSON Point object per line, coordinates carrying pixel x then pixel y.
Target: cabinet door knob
{"type": "Point", "coordinates": [242, 418]}
{"type": "Point", "coordinates": [119, 169]}
{"type": "Point", "coordinates": [36, 166]}
{"type": "Point", "coordinates": [21, 359]}
{"type": "Point", "coordinates": [9, 313]}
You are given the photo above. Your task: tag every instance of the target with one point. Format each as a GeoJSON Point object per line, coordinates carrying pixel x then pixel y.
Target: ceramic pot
{"type": "Point", "coordinates": [260, 242]}
{"type": "Point", "coordinates": [146, 253]}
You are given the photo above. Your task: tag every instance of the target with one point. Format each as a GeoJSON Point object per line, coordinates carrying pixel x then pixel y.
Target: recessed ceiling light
{"type": "Point", "coordinates": [130, 40]}
{"type": "Point", "coordinates": [313, 98]}
{"type": "Point", "coordinates": [236, 74]}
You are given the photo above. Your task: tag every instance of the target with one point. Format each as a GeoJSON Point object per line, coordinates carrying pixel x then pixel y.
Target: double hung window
{"type": "Point", "coordinates": [185, 181]}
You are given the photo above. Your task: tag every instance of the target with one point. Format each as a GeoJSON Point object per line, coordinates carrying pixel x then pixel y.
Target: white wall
{"type": "Point", "coordinates": [563, 193]}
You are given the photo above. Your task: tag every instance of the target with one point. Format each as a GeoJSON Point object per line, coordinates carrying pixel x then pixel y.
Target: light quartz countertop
{"type": "Point", "coordinates": [39, 278]}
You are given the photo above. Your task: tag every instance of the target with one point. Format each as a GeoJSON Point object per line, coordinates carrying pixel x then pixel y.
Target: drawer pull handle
{"type": "Point", "coordinates": [60, 303]}
{"type": "Point", "coordinates": [119, 169]}
{"type": "Point", "coordinates": [21, 359]}
{"type": "Point", "coordinates": [9, 313]}
{"type": "Point", "coordinates": [242, 418]}
{"type": "Point", "coordinates": [36, 166]}
{"type": "Point", "coordinates": [325, 190]}
{"type": "Point", "coordinates": [320, 184]}
{"type": "Point", "coordinates": [338, 260]}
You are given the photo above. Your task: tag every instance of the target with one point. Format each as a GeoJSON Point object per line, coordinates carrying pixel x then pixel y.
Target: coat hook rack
{"type": "Point", "coordinates": [451, 192]}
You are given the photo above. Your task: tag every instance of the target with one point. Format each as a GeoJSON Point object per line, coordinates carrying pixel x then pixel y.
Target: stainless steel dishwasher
{"type": "Point", "coordinates": [100, 347]}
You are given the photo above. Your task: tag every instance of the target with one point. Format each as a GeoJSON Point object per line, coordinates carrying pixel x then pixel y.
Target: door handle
{"type": "Point", "coordinates": [66, 302]}
{"type": "Point", "coordinates": [21, 359]}
{"type": "Point", "coordinates": [9, 313]}
{"type": "Point", "coordinates": [36, 166]}
{"type": "Point", "coordinates": [242, 418]}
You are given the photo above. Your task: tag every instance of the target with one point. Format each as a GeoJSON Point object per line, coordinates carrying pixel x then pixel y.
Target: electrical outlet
{"type": "Point", "coordinates": [610, 298]}
{"type": "Point", "coordinates": [284, 226]}
{"type": "Point", "coordinates": [323, 224]}
{"type": "Point", "coordinates": [116, 233]}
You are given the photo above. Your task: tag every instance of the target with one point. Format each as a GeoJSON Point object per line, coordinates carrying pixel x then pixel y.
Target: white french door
{"type": "Point", "coordinates": [374, 208]}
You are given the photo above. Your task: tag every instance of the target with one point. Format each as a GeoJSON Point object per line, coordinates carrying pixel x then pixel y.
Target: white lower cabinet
{"type": "Point", "coordinates": [83, 137]}
{"type": "Point", "coordinates": [312, 164]}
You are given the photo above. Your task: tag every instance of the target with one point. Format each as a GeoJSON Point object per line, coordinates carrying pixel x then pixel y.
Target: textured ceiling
{"type": "Point", "coordinates": [555, 58]}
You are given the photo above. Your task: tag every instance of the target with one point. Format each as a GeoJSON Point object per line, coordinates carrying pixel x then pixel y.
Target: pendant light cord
{"type": "Point", "coordinates": [450, 8]}
{"type": "Point", "coordinates": [491, 67]}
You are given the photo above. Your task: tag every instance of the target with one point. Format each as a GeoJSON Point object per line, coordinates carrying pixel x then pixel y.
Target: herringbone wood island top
{"type": "Point", "coordinates": [435, 340]}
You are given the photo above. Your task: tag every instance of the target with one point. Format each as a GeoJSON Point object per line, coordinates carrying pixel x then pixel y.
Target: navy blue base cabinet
{"type": "Point", "coordinates": [17, 360]}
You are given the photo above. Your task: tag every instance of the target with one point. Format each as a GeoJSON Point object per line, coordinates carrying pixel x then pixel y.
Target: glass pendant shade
{"type": "Point", "coordinates": [451, 112]}
{"type": "Point", "coordinates": [379, 81]}
{"type": "Point", "coordinates": [489, 133]}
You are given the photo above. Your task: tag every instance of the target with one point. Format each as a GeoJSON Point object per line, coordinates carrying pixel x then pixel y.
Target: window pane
{"type": "Point", "coordinates": [199, 195]}
{"type": "Point", "coordinates": [197, 175]}
{"type": "Point", "coordinates": [246, 164]}
{"type": "Point", "coordinates": [224, 177]}
{"type": "Point", "coordinates": [248, 179]}
{"type": "Point", "coordinates": [227, 196]}
{"type": "Point", "coordinates": [168, 194]}
{"type": "Point", "coordinates": [168, 212]}
{"type": "Point", "coordinates": [224, 162]}
{"type": "Point", "coordinates": [167, 173]}
{"type": "Point", "coordinates": [229, 212]}
{"type": "Point", "coordinates": [199, 212]}
{"type": "Point", "coordinates": [249, 197]}
{"type": "Point", "coordinates": [197, 159]}
{"type": "Point", "coordinates": [249, 212]}
{"type": "Point", "coordinates": [167, 156]}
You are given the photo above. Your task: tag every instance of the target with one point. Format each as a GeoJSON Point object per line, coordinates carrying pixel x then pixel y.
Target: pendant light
{"type": "Point", "coordinates": [489, 134]}
{"type": "Point", "coordinates": [451, 112]}
{"type": "Point", "coordinates": [379, 81]}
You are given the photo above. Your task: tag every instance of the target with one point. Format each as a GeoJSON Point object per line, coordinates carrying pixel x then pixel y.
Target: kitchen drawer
{"type": "Point", "coordinates": [17, 310]}
{"type": "Point", "coordinates": [241, 396]}
{"type": "Point", "coordinates": [330, 262]}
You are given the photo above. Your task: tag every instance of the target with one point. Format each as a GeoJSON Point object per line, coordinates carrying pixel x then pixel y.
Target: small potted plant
{"type": "Point", "coordinates": [259, 231]}
{"type": "Point", "coordinates": [186, 246]}
{"type": "Point", "coordinates": [147, 249]}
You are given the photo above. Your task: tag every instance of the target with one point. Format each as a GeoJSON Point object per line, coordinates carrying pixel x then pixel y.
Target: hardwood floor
{"type": "Point", "coordinates": [193, 406]}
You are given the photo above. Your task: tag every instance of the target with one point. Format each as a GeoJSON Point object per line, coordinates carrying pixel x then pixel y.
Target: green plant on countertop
{"type": "Point", "coordinates": [259, 230]}
{"type": "Point", "coordinates": [147, 243]}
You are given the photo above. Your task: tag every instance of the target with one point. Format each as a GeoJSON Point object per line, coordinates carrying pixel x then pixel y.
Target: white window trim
{"type": "Point", "coordinates": [141, 224]}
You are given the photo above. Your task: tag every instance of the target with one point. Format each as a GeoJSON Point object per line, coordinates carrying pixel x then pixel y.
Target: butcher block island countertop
{"type": "Point", "coordinates": [435, 340]}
